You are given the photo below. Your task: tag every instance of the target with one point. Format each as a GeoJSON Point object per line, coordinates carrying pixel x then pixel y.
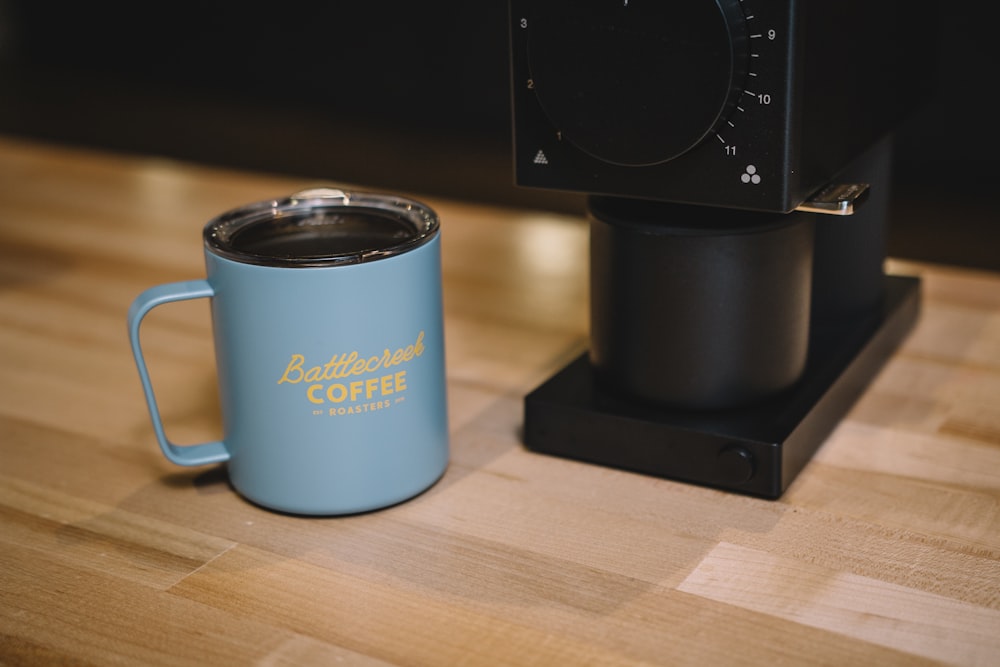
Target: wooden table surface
{"type": "Point", "coordinates": [886, 549]}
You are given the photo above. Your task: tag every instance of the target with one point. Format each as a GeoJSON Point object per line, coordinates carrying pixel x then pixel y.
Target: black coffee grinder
{"type": "Point", "coordinates": [737, 158]}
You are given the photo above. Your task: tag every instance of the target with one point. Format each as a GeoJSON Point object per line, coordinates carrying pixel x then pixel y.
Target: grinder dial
{"type": "Point", "coordinates": [637, 82]}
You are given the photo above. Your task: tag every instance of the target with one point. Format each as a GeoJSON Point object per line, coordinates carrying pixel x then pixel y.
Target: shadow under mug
{"type": "Point", "coordinates": [329, 340]}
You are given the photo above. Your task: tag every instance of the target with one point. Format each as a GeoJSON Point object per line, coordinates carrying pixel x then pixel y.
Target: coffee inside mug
{"type": "Point", "coordinates": [321, 227]}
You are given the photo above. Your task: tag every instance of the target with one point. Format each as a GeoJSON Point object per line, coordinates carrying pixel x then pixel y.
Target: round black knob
{"type": "Point", "coordinates": [734, 465]}
{"type": "Point", "coordinates": [637, 82]}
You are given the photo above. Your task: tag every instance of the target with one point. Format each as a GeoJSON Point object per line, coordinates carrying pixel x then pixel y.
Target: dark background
{"type": "Point", "coordinates": [415, 97]}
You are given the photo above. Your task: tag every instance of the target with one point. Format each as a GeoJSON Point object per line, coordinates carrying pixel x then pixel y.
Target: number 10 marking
{"type": "Point", "coordinates": [762, 98]}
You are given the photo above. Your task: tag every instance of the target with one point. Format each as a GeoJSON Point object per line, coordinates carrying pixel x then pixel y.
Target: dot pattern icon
{"type": "Point", "coordinates": [750, 175]}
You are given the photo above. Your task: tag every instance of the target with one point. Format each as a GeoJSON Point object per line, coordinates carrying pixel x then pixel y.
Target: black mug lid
{"type": "Point", "coordinates": [321, 227]}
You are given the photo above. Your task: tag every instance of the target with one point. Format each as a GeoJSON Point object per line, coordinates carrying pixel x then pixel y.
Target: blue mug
{"type": "Point", "coordinates": [329, 341]}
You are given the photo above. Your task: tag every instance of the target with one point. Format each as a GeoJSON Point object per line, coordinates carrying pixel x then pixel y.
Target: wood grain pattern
{"type": "Point", "coordinates": [885, 551]}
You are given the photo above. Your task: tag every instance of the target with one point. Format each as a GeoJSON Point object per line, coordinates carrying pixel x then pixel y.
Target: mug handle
{"type": "Point", "coordinates": [185, 455]}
